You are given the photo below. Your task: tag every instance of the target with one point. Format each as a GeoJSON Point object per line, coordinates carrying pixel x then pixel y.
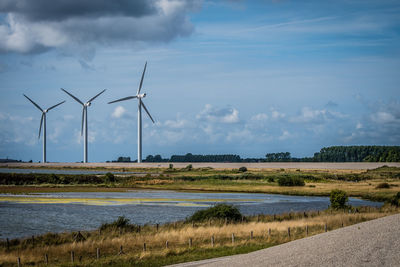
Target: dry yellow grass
{"type": "Point", "coordinates": [178, 239]}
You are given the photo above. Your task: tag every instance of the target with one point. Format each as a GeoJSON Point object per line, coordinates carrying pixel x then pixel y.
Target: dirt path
{"type": "Point", "coordinates": [261, 165]}
{"type": "Point", "coordinates": [372, 243]}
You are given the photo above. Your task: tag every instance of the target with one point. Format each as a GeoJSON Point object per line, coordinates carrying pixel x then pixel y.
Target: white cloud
{"type": "Point", "coordinates": [260, 117]}
{"type": "Point", "coordinates": [276, 115]}
{"type": "Point", "coordinates": [118, 112]}
{"type": "Point", "coordinates": [222, 115]}
{"type": "Point", "coordinates": [383, 117]}
{"type": "Point", "coordinates": [177, 124]}
{"type": "Point", "coordinates": [285, 135]}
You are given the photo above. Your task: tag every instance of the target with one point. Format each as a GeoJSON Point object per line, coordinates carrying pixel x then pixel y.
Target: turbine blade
{"type": "Point", "coordinates": [96, 96]}
{"type": "Point", "coordinates": [148, 113]}
{"type": "Point", "coordinates": [40, 127]}
{"type": "Point", "coordinates": [74, 97]}
{"type": "Point", "coordinates": [83, 118]}
{"type": "Point", "coordinates": [36, 105]}
{"type": "Point", "coordinates": [141, 81]}
{"type": "Point", "coordinates": [122, 99]}
{"type": "Point", "coordinates": [55, 105]}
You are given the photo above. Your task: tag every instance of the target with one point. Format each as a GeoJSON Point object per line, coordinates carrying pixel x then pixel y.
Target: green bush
{"type": "Point", "coordinates": [383, 186]}
{"type": "Point", "coordinates": [338, 199]}
{"type": "Point", "coordinates": [271, 179]}
{"type": "Point", "coordinates": [189, 167]}
{"type": "Point", "coordinates": [171, 166]}
{"type": "Point", "coordinates": [291, 181]}
{"type": "Point", "coordinates": [395, 201]}
{"type": "Point", "coordinates": [219, 211]}
{"type": "Point", "coordinates": [110, 178]}
{"type": "Point", "coordinates": [243, 169]}
{"type": "Point", "coordinates": [120, 223]}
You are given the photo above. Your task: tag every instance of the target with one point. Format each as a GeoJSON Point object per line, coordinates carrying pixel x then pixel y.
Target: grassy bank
{"type": "Point", "coordinates": [365, 184]}
{"type": "Point", "coordinates": [123, 244]}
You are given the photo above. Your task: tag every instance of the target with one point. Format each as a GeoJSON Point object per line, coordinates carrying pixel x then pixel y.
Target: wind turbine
{"type": "Point", "coordinates": [43, 122]}
{"type": "Point", "coordinates": [139, 96]}
{"type": "Point", "coordinates": [84, 121]}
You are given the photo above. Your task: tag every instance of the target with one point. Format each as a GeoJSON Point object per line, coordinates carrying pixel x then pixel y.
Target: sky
{"type": "Point", "coordinates": [223, 77]}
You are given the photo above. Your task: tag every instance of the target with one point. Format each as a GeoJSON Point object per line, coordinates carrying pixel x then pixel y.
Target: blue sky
{"type": "Point", "coordinates": [241, 77]}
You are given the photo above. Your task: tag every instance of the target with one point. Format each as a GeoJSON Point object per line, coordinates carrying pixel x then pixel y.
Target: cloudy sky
{"type": "Point", "coordinates": [241, 77]}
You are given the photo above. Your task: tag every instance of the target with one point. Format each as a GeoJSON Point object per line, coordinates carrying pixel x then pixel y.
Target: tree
{"type": "Point", "coordinates": [338, 199]}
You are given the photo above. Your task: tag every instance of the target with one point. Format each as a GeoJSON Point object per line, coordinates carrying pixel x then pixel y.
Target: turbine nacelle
{"type": "Point", "coordinates": [141, 95]}
{"type": "Point", "coordinates": [87, 104]}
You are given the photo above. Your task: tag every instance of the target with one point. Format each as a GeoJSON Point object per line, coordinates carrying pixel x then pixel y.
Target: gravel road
{"type": "Point", "coordinates": [372, 243]}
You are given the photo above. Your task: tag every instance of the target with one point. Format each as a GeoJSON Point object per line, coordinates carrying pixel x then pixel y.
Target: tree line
{"type": "Point", "coordinates": [326, 154]}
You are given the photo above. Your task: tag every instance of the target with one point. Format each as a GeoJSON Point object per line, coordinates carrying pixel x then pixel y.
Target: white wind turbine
{"type": "Point", "coordinates": [84, 121]}
{"type": "Point", "coordinates": [140, 105]}
{"type": "Point", "coordinates": [43, 122]}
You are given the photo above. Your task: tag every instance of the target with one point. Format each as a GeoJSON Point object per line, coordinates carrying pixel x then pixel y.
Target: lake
{"type": "Point", "coordinates": [34, 214]}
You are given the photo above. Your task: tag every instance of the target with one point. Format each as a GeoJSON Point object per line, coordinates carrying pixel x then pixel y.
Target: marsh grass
{"type": "Point", "coordinates": [59, 246]}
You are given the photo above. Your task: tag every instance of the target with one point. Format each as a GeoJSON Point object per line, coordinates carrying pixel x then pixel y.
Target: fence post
{"type": "Point", "coordinates": [46, 259]}
{"type": "Point", "coordinates": [342, 223]}
{"type": "Point", "coordinates": [226, 221]}
{"type": "Point", "coordinates": [288, 231]}
{"type": "Point", "coordinates": [233, 238]}
{"type": "Point", "coordinates": [326, 227]}
{"type": "Point", "coordinates": [190, 242]}
{"type": "Point", "coordinates": [19, 262]}
{"type": "Point", "coordinates": [306, 230]}
{"type": "Point", "coordinates": [72, 256]}
{"type": "Point", "coordinates": [212, 241]}
{"type": "Point", "coordinates": [121, 251]}
{"type": "Point", "coordinates": [157, 226]}
{"type": "Point", "coordinates": [269, 232]}
{"type": "Point", "coordinates": [144, 247]}
{"type": "Point", "coordinates": [33, 241]}
{"type": "Point", "coordinates": [8, 244]}
{"type": "Point", "coordinates": [166, 244]}
{"type": "Point", "coordinates": [97, 253]}
{"type": "Point", "coordinates": [251, 235]}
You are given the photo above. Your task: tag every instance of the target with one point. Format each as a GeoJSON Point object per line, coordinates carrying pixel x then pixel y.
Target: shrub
{"type": "Point", "coordinates": [338, 199]}
{"type": "Point", "coordinates": [271, 179]}
{"type": "Point", "coordinates": [110, 178]}
{"type": "Point", "coordinates": [291, 181]}
{"type": "Point", "coordinates": [243, 169]}
{"type": "Point", "coordinates": [395, 201]}
{"type": "Point", "coordinates": [382, 186]}
{"type": "Point", "coordinates": [120, 223]}
{"type": "Point", "coordinates": [189, 167]}
{"type": "Point", "coordinates": [219, 211]}
{"type": "Point", "coordinates": [171, 166]}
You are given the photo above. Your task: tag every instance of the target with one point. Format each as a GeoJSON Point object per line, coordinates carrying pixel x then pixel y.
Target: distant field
{"type": "Point", "coordinates": [262, 165]}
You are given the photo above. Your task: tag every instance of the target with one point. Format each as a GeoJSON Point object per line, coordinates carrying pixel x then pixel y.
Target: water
{"type": "Point", "coordinates": [34, 214]}
{"type": "Point", "coordinates": [55, 171]}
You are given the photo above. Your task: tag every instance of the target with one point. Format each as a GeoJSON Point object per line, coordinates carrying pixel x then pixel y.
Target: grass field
{"type": "Point", "coordinates": [357, 183]}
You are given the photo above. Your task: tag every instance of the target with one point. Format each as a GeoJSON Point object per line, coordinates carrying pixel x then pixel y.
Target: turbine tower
{"type": "Point", "coordinates": [139, 96]}
{"type": "Point", "coordinates": [43, 122]}
{"type": "Point", "coordinates": [84, 121]}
